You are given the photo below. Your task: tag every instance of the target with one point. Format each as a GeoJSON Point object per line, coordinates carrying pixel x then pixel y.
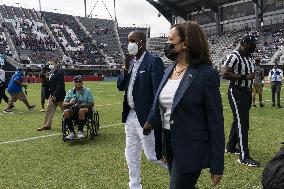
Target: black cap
{"type": "Point", "coordinates": [77, 78]}
{"type": "Point", "coordinates": [249, 39]}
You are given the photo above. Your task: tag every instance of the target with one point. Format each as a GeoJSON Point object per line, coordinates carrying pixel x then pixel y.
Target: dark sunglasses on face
{"type": "Point", "coordinates": [78, 81]}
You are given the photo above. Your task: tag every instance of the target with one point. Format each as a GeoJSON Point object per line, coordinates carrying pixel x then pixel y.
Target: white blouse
{"type": "Point", "coordinates": [166, 99]}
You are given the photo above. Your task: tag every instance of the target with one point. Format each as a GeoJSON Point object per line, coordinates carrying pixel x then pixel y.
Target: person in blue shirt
{"type": "Point", "coordinates": [78, 102]}
{"type": "Point", "coordinates": [16, 92]}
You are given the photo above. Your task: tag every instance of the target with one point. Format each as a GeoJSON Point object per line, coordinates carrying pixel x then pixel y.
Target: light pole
{"type": "Point", "coordinates": [39, 2]}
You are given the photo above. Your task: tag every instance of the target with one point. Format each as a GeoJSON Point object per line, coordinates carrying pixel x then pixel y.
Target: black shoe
{"type": "Point", "coordinates": [261, 105]}
{"type": "Point", "coordinates": [249, 162]}
{"type": "Point", "coordinates": [235, 151]}
{"type": "Point", "coordinates": [254, 105]}
{"type": "Point", "coordinates": [279, 106]}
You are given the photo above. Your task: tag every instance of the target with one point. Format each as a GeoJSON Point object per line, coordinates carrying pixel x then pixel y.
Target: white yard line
{"type": "Point", "coordinates": [51, 135]}
{"type": "Point", "coordinates": [100, 105]}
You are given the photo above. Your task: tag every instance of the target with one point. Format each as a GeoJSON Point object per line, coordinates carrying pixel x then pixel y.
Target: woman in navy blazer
{"type": "Point", "coordinates": [187, 114]}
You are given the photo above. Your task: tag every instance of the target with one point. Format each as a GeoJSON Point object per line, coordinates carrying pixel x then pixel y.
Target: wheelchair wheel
{"type": "Point", "coordinates": [96, 121]}
{"type": "Point", "coordinates": [90, 128]}
{"type": "Point", "coordinates": [65, 131]}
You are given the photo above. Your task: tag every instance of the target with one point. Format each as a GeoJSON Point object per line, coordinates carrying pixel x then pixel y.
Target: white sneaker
{"type": "Point", "coordinates": [70, 136]}
{"type": "Point", "coordinates": [80, 135]}
{"type": "Point", "coordinates": [42, 110]}
{"type": "Point", "coordinates": [8, 111]}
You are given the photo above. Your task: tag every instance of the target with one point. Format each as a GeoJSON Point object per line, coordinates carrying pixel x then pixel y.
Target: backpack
{"type": "Point", "coordinates": [273, 173]}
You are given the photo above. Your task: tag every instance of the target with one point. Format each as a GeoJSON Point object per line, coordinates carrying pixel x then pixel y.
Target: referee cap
{"type": "Point", "coordinates": [249, 39]}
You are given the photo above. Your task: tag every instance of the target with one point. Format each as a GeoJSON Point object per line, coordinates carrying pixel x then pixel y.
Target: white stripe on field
{"type": "Point", "coordinates": [51, 135]}
{"type": "Point", "coordinates": [107, 104]}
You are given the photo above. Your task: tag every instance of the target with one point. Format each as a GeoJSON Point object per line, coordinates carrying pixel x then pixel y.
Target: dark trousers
{"type": "Point", "coordinates": [69, 123]}
{"type": "Point", "coordinates": [240, 103]}
{"type": "Point", "coordinates": [167, 148]}
{"type": "Point", "coordinates": [276, 88]}
{"type": "Point", "coordinates": [183, 180]}
{"type": "Point", "coordinates": [3, 93]}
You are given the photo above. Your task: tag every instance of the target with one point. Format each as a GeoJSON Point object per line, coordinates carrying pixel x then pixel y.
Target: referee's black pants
{"type": "Point", "coordinates": [3, 93]}
{"type": "Point", "coordinates": [240, 102]}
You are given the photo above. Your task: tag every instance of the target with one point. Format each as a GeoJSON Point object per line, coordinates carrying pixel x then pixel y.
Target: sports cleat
{"type": "Point", "coordinates": [235, 151]}
{"type": "Point", "coordinates": [249, 162]}
{"type": "Point", "coordinates": [31, 108]}
{"type": "Point", "coordinates": [8, 111]}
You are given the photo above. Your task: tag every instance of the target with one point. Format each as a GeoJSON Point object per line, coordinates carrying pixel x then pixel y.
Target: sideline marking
{"type": "Point", "coordinates": [51, 135]}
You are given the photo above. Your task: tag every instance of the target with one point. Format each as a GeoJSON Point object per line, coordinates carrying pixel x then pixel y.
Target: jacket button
{"type": "Point", "coordinates": [172, 122]}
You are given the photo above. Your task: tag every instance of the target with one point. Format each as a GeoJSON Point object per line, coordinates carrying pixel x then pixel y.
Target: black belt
{"type": "Point", "coordinates": [239, 87]}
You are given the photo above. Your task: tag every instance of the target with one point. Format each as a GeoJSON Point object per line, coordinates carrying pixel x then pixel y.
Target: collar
{"type": "Point", "coordinates": [140, 59]}
{"type": "Point", "coordinates": [82, 90]}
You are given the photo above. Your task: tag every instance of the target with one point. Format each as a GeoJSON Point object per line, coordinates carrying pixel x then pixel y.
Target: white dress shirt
{"type": "Point", "coordinates": [135, 66]}
{"type": "Point", "coordinates": [275, 74]}
{"type": "Point", "coordinates": [166, 99]}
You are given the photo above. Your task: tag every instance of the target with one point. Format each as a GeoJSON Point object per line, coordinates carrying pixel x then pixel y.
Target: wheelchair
{"type": "Point", "coordinates": [92, 123]}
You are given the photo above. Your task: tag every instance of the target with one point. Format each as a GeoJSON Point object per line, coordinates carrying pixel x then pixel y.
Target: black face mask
{"type": "Point", "coordinates": [252, 48]}
{"type": "Point", "coordinates": [169, 51]}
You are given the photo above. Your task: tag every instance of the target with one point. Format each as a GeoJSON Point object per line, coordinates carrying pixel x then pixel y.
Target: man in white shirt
{"type": "Point", "coordinates": [140, 80]}
{"type": "Point", "coordinates": [275, 76]}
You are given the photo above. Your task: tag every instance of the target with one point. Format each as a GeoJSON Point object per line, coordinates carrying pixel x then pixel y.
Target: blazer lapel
{"type": "Point", "coordinates": [165, 79]}
{"type": "Point", "coordinates": [142, 65]}
{"type": "Point", "coordinates": [188, 77]}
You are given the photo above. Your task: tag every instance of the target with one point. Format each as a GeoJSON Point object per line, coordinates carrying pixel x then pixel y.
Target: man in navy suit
{"type": "Point", "coordinates": [140, 80]}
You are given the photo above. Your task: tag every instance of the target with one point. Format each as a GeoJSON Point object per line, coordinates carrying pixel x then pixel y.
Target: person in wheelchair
{"type": "Point", "coordinates": [78, 102]}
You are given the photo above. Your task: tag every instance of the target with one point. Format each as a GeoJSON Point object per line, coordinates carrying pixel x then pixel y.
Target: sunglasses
{"type": "Point", "coordinates": [78, 81]}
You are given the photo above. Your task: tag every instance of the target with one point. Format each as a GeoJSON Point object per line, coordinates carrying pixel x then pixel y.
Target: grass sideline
{"type": "Point", "coordinates": [48, 163]}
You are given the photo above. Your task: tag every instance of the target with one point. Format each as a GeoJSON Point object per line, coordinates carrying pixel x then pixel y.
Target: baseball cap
{"type": "Point", "coordinates": [77, 78]}
{"type": "Point", "coordinates": [249, 39]}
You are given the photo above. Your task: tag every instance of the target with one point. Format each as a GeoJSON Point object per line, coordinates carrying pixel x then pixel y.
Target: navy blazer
{"type": "Point", "coordinates": [57, 85]}
{"type": "Point", "coordinates": [197, 122]}
{"type": "Point", "coordinates": [148, 78]}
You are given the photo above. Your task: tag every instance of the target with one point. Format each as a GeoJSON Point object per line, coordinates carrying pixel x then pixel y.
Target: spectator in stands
{"type": "Point", "coordinates": [257, 86]}
{"type": "Point", "coordinates": [78, 102]}
{"type": "Point", "coordinates": [275, 75]}
{"type": "Point", "coordinates": [140, 80]}
{"type": "Point", "coordinates": [15, 90]}
{"type": "Point", "coordinates": [44, 87]}
{"type": "Point", "coordinates": [56, 94]}
{"type": "Point", "coordinates": [3, 86]}
{"type": "Point", "coordinates": [188, 104]}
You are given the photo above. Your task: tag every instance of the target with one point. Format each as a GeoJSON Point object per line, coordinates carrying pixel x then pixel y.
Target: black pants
{"type": "Point", "coordinates": [167, 148]}
{"type": "Point", "coordinates": [182, 180]}
{"type": "Point", "coordinates": [276, 88]}
{"type": "Point", "coordinates": [3, 93]}
{"type": "Point", "coordinates": [240, 102]}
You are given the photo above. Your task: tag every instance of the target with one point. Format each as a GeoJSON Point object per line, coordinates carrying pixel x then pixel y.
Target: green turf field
{"type": "Point", "coordinates": [41, 160]}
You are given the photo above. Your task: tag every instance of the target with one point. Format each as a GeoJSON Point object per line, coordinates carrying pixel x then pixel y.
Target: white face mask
{"type": "Point", "coordinates": [51, 66]}
{"type": "Point", "coordinates": [132, 48]}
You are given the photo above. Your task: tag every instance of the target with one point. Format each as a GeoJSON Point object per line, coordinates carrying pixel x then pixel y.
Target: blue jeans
{"type": "Point", "coordinates": [183, 180]}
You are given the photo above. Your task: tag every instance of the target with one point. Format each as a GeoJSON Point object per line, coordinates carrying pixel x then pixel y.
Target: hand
{"type": "Point", "coordinates": [250, 76]}
{"type": "Point", "coordinates": [164, 159]}
{"type": "Point", "coordinates": [216, 179]}
{"type": "Point", "coordinates": [147, 128]}
{"type": "Point", "coordinates": [52, 98]}
{"type": "Point", "coordinates": [128, 58]}
{"type": "Point", "coordinates": [72, 102]}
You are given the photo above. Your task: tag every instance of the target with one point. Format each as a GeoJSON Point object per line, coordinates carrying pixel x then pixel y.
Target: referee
{"type": "Point", "coordinates": [239, 69]}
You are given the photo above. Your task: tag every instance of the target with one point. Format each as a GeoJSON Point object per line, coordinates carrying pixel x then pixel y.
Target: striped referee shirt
{"type": "Point", "coordinates": [242, 66]}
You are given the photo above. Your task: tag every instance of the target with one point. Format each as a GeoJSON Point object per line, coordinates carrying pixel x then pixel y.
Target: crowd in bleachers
{"type": "Point", "coordinates": [73, 40]}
